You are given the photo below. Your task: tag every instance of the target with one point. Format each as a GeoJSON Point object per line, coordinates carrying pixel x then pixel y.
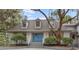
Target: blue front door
{"type": "Point", "coordinates": [37, 37]}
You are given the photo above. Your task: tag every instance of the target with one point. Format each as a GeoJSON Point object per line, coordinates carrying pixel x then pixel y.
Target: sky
{"type": "Point", "coordinates": [32, 15]}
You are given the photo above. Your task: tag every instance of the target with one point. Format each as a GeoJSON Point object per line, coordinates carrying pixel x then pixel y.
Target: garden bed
{"type": "Point", "coordinates": [54, 45]}
{"type": "Point", "coordinates": [19, 45]}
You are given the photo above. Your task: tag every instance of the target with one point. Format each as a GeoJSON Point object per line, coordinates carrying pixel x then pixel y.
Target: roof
{"type": "Point", "coordinates": [44, 27]}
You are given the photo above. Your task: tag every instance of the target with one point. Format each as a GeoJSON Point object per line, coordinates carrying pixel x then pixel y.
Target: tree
{"type": "Point", "coordinates": [60, 14]}
{"type": "Point", "coordinates": [8, 19]}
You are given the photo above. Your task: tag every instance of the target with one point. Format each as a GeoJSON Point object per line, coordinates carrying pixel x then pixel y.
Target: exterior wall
{"type": "Point", "coordinates": [66, 34]}
{"type": "Point", "coordinates": [66, 28]}
{"type": "Point", "coordinates": [77, 39]}
{"type": "Point", "coordinates": [78, 29]}
{"type": "Point", "coordinates": [45, 35]}
{"type": "Point", "coordinates": [29, 37]}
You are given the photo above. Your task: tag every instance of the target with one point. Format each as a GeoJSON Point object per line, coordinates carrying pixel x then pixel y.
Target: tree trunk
{"type": "Point", "coordinates": [58, 36]}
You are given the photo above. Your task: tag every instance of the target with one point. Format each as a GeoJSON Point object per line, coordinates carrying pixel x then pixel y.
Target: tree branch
{"type": "Point", "coordinates": [69, 19]}
{"type": "Point", "coordinates": [59, 13]}
{"type": "Point", "coordinates": [60, 16]}
{"type": "Point", "coordinates": [66, 12]}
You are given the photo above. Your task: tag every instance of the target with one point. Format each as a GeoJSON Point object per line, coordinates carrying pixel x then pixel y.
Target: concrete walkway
{"type": "Point", "coordinates": [36, 45]}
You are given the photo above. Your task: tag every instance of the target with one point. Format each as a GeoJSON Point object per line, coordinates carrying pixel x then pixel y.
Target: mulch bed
{"type": "Point", "coordinates": [18, 44]}
{"type": "Point", "coordinates": [55, 45]}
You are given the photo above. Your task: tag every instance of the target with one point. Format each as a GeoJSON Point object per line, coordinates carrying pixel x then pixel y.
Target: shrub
{"type": "Point", "coordinates": [50, 40]}
{"type": "Point", "coordinates": [3, 39]}
{"type": "Point", "coordinates": [67, 41]}
{"type": "Point", "coordinates": [18, 36]}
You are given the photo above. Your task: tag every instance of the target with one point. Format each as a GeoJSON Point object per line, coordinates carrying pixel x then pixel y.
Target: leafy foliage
{"type": "Point", "coordinates": [18, 36]}
{"type": "Point", "coordinates": [67, 40]}
{"type": "Point", "coordinates": [50, 40]}
{"type": "Point", "coordinates": [66, 18]}
{"type": "Point", "coordinates": [9, 18]}
{"type": "Point", "coordinates": [3, 39]}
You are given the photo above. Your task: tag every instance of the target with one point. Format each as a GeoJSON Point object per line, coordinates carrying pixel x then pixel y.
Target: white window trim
{"type": "Point", "coordinates": [26, 25]}
{"type": "Point", "coordinates": [38, 26]}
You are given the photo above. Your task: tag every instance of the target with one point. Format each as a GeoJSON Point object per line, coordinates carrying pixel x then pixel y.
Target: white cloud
{"type": "Point", "coordinates": [33, 18]}
{"type": "Point", "coordinates": [29, 15]}
{"type": "Point", "coordinates": [29, 11]}
{"type": "Point", "coordinates": [42, 18]}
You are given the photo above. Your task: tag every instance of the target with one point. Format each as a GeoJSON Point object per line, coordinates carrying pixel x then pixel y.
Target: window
{"type": "Point", "coordinates": [25, 24]}
{"type": "Point", "coordinates": [38, 24]}
{"type": "Point", "coordinates": [72, 35]}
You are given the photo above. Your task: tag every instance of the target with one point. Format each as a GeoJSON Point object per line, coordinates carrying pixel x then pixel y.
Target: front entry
{"type": "Point", "coordinates": [37, 37]}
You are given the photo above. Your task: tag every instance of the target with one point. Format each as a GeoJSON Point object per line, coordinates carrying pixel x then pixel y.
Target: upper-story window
{"type": "Point", "coordinates": [24, 23]}
{"type": "Point", "coordinates": [38, 23]}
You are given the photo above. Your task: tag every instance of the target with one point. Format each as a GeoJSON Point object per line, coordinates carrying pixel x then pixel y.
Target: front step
{"type": "Point", "coordinates": [36, 45]}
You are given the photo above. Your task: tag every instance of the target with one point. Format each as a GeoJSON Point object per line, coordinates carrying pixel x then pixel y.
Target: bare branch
{"type": "Point", "coordinates": [66, 12]}
{"type": "Point", "coordinates": [59, 13]}
{"type": "Point", "coordinates": [60, 16]}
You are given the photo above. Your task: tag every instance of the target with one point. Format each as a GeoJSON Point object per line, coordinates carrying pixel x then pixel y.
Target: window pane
{"type": "Point", "coordinates": [37, 23]}
{"type": "Point", "coordinates": [24, 24]}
